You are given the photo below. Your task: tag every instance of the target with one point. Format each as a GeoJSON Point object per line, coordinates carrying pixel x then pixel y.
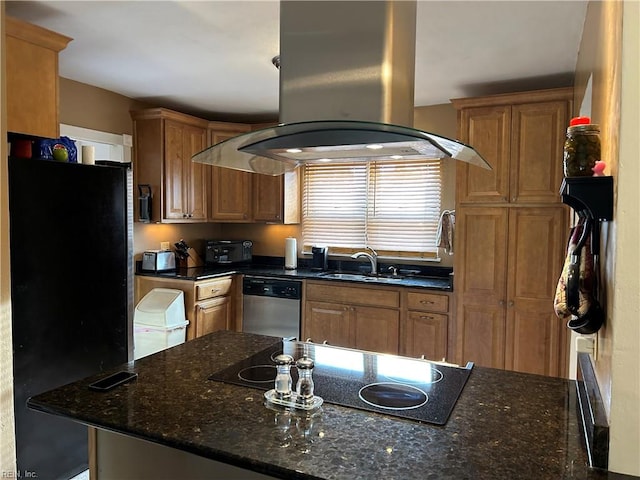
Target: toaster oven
{"type": "Point", "coordinates": [228, 252]}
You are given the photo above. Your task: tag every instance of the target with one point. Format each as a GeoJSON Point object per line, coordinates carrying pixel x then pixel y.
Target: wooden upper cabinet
{"type": "Point", "coordinates": [185, 181]}
{"type": "Point", "coordinates": [230, 189]}
{"type": "Point", "coordinates": [230, 195]}
{"type": "Point", "coordinates": [243, 197]}
{"type": "Point", "coordinates": [521, 136]}
{"type": "Point", "coordinates": [32, 78]}
{"type": "Point", "coordinates": [487, 129]}
{"type": "Point", "coordinates": [164, 142]}
{"type": "Point", "coordinates": [268, 198]}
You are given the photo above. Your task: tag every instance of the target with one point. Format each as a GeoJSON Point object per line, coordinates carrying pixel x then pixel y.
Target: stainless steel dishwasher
{"type": "Point", "coordinates": [271, 306]}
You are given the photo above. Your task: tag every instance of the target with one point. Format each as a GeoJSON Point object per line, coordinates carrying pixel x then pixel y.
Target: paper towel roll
{"type": "Point", "coordinates": [290, 254]}
{"type": "Point", "coordinates": [88, 154]}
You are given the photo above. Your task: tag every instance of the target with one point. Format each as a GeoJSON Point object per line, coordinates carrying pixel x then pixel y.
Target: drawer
{"type": "Point", "coordinates": [372, 297]}
{"type": "Point", "coordinates": [436, 318]}
{"type": "Point", "coordinates": [429, 302]}
{"type": "Point", "coordinates": [213, 288]}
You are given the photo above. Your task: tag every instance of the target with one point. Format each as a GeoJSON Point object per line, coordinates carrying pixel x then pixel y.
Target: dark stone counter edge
{"type": "Point", "coordinates": [204, 273]}
{"type": "Point", "coordinates": [216, 455]}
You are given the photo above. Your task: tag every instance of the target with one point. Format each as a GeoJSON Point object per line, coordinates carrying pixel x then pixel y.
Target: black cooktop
{"type": "Point", "coordinates": [399, 386]}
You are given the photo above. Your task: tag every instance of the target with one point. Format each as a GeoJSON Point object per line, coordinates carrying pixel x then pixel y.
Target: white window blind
{"type": "Point", "coordinates": [391, 207]}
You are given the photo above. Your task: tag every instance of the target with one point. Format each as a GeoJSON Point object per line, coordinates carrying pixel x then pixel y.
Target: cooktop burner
{"type": "Point", "coordinates": [398, 386]}
{"type": "Point", "coordinates": [394, 396]}
{"type": "Point", "coordinates": [258, 374]}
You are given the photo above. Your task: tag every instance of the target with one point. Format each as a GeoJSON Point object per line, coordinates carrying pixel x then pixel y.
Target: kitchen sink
{"type": "Point", "coordinates": [363, 277]}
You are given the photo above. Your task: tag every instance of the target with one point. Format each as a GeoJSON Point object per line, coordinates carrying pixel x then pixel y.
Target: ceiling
{"type": "Point", "coordinates": [213, 58]}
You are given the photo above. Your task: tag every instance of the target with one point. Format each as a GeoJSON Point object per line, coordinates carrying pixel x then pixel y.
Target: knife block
{"type": "Point", "coordinates": [193, 260]}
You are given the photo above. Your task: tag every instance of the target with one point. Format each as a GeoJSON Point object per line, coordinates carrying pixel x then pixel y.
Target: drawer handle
{"type": "Point", "coordinates": [426, 317]}
{"type": "Point", "coordinates": [428, 302]}
{"type": "Point", "coordinates": [214, 290]}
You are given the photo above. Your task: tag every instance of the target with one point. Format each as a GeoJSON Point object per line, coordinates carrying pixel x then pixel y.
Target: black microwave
{"type": "Point", "coordinates": [228, 251]}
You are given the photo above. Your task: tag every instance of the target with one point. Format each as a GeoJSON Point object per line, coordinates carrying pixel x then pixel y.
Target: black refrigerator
{"type": "Point", "coordinates": [71, 237]}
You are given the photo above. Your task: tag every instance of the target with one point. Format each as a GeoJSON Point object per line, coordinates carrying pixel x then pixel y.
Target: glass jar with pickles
{"type": "Point", "coordinates": [581, 147]}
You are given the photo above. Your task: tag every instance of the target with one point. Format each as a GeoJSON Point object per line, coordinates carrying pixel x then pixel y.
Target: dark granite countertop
{"type": "Point", "coordinates": [432, 282]}
{"type": "Point", "coordinates": [505, 425]}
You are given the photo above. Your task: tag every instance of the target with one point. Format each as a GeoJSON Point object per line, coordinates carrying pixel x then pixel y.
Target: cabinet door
{"type": "Point", "coordinates": [535, 338]}
{"type": "Point", "coordinates": [376, 329]}
{"type": "Point", "coordinates": [31, 75]}
{"type": "Point", "coordinates": [230, 189]}
{"type": "Point", "coordinates": [185, 192]}
{"type": "Point", "coordinates": [267, 198]}
{"type": "Point", "coordinates": [480, 283]}
{"type": "Point", "coordinates": [330, 322]}
{"type": "Point", "coordinates": [175, 181]}
{"type": "Point", "coordinates": [230, 195]}
{"type": "Point", "coordinates": [537, 131]}
{"type": "Point", "coordinates": [426, 335]}
{"type": "Point", "coordinates": [213, 315]}
{"type": "Point", "coordinates": [196, 173]}
{"type": "Point", "coordinates": [488, 129]}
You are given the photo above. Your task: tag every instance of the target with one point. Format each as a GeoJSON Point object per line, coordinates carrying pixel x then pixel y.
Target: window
{"type": "Point", "coordinates": [392, 207]}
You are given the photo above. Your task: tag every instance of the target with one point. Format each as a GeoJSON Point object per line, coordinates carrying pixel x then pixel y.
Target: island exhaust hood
{"type": "Point", "coordinates": [346, 93]}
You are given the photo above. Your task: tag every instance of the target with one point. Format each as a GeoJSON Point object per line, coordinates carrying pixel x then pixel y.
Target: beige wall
{"type": "Point", "coordinates": [86, 106]}
{"type": "Point", "coordinates": [609, 55]}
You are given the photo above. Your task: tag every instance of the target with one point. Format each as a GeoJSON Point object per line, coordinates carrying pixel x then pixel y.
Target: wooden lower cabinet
{"type": "Point", "coordinates": [426, 325]}
{"type": "Point", "coordinates": [509, 261]}
{"type": "Point", "coordinates": [209, 304]}
{"type": "Point", "coordinates": [364, 318]}
{"type": "Point", "coordinates": [397, 320]}
{"type": "Point", "coordinates": [213, 315]}
{"type": "Point", "coordinates": [327, 322]}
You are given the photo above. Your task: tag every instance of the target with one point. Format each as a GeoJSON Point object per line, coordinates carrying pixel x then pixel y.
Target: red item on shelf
{"type": "Point", "coordinates": [579, 121]}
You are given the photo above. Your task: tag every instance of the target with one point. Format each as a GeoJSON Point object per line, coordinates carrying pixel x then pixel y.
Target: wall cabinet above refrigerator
{"type": "Point", "coordinates": [32, 78]}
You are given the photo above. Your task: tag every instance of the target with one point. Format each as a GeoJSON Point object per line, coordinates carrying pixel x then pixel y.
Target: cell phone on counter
{"type": "Point", "coordinates": [112, 381]}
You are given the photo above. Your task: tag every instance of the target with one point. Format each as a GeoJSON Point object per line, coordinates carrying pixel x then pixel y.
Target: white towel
{"type": "Point", "coordinates": [446, 227]}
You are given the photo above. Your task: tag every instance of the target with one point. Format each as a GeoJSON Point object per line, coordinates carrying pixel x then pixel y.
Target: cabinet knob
{"type": "Point", "coordinates": [511, 303]}
{"type": "Point", "coordinates": [501, 303]}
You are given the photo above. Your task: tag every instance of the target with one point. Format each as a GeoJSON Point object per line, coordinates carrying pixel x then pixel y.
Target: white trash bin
{"type": "Point", "coordinates": [159, 322]}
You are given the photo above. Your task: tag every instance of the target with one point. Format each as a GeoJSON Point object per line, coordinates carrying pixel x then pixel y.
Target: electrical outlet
{"type": "Point", "coordinates": [165, 245]}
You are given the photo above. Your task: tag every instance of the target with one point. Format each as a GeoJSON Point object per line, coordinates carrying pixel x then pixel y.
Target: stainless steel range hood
{"type": "Point", "coordinates": [346, 92]}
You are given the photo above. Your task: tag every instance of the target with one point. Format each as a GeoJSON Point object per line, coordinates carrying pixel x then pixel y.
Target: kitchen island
{"type": "Point", "coordinates": [505, 425]}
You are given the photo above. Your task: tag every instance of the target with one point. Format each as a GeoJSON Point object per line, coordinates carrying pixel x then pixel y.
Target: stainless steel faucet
{"type": "Point", "coordinates": [373, 259]}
